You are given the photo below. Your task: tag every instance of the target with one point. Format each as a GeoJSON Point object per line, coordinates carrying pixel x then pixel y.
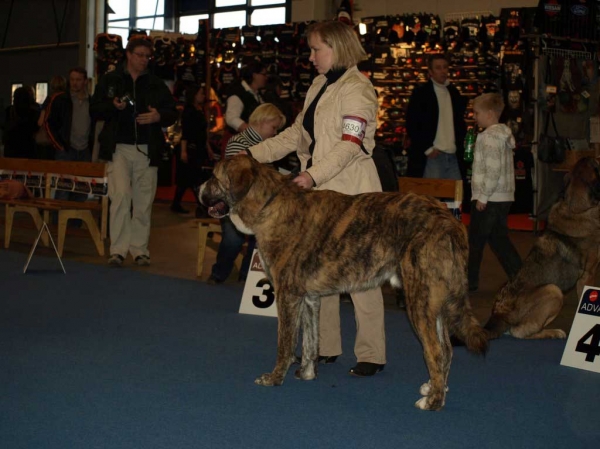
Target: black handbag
{"type": "Point", "coordinates": [552, 149]}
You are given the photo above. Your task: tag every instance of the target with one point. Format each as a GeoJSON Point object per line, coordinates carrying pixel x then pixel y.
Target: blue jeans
{"type": "Point", "coordinates": [444, 166]}
{"type": "Point", "coordinates": [231, 244]}
{"type": "Point", "coordinates": [72, 155]}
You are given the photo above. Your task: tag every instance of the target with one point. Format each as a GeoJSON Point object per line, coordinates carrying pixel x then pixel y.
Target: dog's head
{"type": "Point", "coordinates": [241, 187]}
{"type": "Point", "coordinates": [583, 184]}
{"type": "Point", "coordinates": [231, 180]}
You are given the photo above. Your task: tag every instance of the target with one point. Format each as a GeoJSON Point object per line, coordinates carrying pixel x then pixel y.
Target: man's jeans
{"type": "Point", "coordinates": [444, 166]}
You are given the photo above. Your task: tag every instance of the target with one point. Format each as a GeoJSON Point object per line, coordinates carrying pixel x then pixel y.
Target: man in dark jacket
{"type": "Point", "coordinates": [134, 105]}
{"type": "Point", "coordinates": [69, 126]}
{"type": "Point", "coordinates": [436, 126]}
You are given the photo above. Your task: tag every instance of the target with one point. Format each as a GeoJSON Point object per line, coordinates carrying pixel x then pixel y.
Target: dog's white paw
{"type": "Point", "coordinates": [267, 380]}
{"type": "Point", "coordinates": [425, 389]}
{"type": "Point", "coordinates": [426, 403]}
{"type": "Point", "coordinates": [422, 403]}
{"type": "Point", "coordinates": [305, 374]}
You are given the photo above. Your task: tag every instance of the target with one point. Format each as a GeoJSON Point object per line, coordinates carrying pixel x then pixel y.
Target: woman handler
{"type": "Point", "coordinates": [334, 139]}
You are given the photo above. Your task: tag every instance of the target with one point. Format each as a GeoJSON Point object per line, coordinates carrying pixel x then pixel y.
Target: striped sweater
{"type": "Point", "coordinates": [242, 141]}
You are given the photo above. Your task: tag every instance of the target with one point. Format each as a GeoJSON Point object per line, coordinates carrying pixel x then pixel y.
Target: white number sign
{"type": "Point", "coordinates": [583, 345]}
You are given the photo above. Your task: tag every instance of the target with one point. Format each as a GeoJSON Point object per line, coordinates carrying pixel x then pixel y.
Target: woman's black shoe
{"type": "Point", "coordinates": [366, 369]}
{"type": "Point", "coordinates": [327, 359]}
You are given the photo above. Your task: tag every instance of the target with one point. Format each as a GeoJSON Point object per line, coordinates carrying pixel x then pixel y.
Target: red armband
{"type": "Point", "coordinates": [353, 129]}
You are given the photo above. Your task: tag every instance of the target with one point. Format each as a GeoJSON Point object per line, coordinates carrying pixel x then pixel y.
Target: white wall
{"type": "Point", "coordinates": [324, 9]}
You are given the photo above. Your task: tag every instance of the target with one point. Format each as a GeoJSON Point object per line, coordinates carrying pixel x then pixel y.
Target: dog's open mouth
{"type": "Point", "coordinates": [218, 210]}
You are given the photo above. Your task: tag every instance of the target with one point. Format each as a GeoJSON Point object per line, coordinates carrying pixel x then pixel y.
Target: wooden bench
{"type": "Point", "coordinates": [47, 175]}
{"type": "Point", "coordinates": [438, 188]}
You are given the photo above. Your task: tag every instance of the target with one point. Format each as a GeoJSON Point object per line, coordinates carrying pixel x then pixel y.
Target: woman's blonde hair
{"type": "Point", "coordinates": [347, 50]}
{"type": "Point", "coordinates": [490, 102]}
{"type": "Point", "coordinates": [266, 112]}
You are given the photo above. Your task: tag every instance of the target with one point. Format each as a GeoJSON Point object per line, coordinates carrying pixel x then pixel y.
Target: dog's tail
{"type": "Point", "coordinates": [495, 326]}
{"type": "Point", "coordinates": [472, 334]}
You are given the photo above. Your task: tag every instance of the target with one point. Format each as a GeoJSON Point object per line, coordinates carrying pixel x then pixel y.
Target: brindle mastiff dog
{"type": "Point", "coordinates": [315, 243]}
{"type": "Point", "coordinates": [565, 256]}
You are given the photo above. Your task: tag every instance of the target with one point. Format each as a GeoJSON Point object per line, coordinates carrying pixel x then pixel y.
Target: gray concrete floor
{"type": "Point", "coordinates": [173, 251]}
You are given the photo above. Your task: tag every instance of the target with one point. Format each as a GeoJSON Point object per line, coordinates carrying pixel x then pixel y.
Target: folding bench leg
{"type": "Point", "coordinates": [9, 220]}
{"type": "Point", "coordinates": [88, 218]}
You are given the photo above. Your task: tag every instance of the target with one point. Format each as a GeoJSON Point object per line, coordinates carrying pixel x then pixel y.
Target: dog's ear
{"type": "Point", "coordinates": [241, 174]}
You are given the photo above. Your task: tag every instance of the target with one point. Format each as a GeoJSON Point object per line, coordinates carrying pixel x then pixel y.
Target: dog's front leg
{"type": "Point", "coordinates": [288, 314]}
{"type": "Point", "coordinates": [310, 338]}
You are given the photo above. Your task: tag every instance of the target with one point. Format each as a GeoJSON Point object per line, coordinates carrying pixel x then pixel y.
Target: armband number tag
{"type": "Point", "coordinates": [353, 129]}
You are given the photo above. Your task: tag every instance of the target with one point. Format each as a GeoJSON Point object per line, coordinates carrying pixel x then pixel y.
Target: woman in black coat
{"type": "Point", "coordinates": [193, 151]}
{"type": "Point", "coordinates": [21, 124]}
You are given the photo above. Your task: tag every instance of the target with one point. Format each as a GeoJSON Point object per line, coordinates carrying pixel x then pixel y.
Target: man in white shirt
{"type": "Point", "coordinates": [436, 126]}
{"type": "Point", "coordinates": [244, 96]}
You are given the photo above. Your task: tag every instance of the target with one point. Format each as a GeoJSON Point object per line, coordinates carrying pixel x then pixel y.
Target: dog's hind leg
{"type": "Point", "coordinates": [288, 314]}
{"type": "Point", "coordinates": [546, 303]}
{"type": "Point", "coordinates": [310, 338]}
{"type": "Point", "coordinates": [446, 343]}
{"type": "Point", "coordinates": [424, 311]}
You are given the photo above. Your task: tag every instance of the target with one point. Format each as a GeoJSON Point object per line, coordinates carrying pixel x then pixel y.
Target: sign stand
{"type": "Point", "coordinates": [583, 345]}
{"type": "Point", "coordinates": [258, 297]}
{"type": "Point", "coordinates": [42, 229]}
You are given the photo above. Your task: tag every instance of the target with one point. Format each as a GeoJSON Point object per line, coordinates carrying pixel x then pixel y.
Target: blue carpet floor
{"type": "Point", "coordinates": [116, 358]}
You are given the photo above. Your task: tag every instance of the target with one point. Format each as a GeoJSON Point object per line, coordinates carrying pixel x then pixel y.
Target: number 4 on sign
{"type": "Point", "coordinates": [583, 346]}
{"type": "Point", "coordinates": [589, 344]}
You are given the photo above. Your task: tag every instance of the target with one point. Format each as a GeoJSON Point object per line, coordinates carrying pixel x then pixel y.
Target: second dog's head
{"type": "Point", "coordinates": [583, 185]}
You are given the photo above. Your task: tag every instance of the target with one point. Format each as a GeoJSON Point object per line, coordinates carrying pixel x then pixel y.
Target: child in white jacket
{"type": "Point", "coordinates": [493, 189]}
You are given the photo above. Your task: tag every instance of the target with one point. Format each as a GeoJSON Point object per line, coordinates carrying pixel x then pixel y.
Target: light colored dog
{"type": "Point", "coordinates": [315, 243]}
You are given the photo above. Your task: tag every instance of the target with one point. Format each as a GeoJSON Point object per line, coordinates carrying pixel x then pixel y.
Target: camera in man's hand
{"type": "Point", "coordinates": [127, 99]}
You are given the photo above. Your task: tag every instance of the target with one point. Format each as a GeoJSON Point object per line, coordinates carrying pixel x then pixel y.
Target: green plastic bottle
{"type": "Point", "coordinates": [470, 144]}
{"type": "Point", "coordinates": [469, 151]}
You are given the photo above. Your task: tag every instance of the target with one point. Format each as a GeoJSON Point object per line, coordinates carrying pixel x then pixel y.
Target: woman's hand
{"type": "Point", "coordinates": [304, 180]}
{"type": "Point", "coordinates": [184, 155]}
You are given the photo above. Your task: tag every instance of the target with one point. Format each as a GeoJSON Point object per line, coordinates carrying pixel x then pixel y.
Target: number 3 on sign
{"type": "Point", "coordinates": [259, 296]}
{"type": "Point", "coordinates": [583, 346]}
{"type": "Point", "coordinates": [267, 296]}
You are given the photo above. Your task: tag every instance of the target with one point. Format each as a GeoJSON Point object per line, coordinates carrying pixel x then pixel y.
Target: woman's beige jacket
{"type": "Point", "coordinates": [336, 165]}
